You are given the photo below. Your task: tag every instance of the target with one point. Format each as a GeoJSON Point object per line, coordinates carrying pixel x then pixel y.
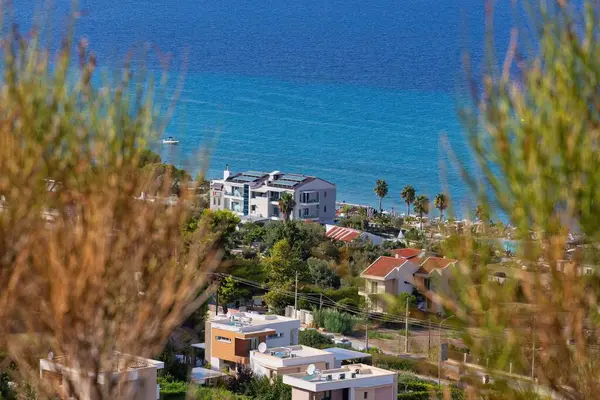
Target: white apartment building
{"type": "Point", "coordinates": [278, 361]}
{"type": "Point", "coordinates": [229, 340]}
{"type": "Point", "coordinates": [137, 376]}
{"type": "Point", "coordinates": [254, 195]}
{"type": "Point", "coordinates": [350, 382]}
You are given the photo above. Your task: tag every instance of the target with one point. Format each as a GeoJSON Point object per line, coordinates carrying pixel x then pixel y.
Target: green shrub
{"type": "Point", "coordinates": [210, 393]}
{"type": "Point", "coordinates": [313, 338]}
{"type": "Point", "coordinates": [379, 335]}
{"type": "Point", "coordinates": [172, 389]}
{"type": "Point", "coordinates": [264, 389]}
{"type": "Point", "coordinates": [415, 396]}
{"type": "Point", "coordinates": [334, 320]}
{"type": "Point", "coordinates": [387, 361]}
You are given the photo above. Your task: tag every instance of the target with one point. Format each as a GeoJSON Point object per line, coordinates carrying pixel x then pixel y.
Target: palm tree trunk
{"type": "Point", "coordinates": [407, 208]}
{"type": "Point", "coordinates": [421, 221]}
{"type": "Point", "coordinates": [380, 200]}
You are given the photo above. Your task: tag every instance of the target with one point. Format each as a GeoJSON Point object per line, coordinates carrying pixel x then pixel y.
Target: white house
{"type": "Point", "coordinates": [279, 361]}
{"type": "Point", "coordinates": [229, 339]}
{"type": "Point", "coordinates": [391, 275]}
{"type": "Point", "coordinates": [254, 195]}
{"type": "Point", "coordinates": [352, 382]}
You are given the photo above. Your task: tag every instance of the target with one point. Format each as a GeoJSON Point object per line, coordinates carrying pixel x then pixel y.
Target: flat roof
{"type": "Point", "coordinates": [346, 354]}
{"type": "Point", "coordinates": [249, 322]}
{"type": "Point", "coordinates": [297, 351]}
{"type": "Point", "coordinates": [201, 374]}
{"type": "Point", "coordinates": [359, 375]}
{"type": "Point", "coordinates": [119, 362]}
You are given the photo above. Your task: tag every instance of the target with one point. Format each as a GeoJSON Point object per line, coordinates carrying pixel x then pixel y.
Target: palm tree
{"type": "Point", "coordinates": [408, 195]}
{"type": "Point", "coordinates": [480, 213]}
{"type": "Point", "coordinates": [381, 190]}
{"type": "Point", "coordinates": [286, 205]}
{"type": "Point", "coordinates": [441, 203]}
{"type": "Point", "coordinates": [421, 207]}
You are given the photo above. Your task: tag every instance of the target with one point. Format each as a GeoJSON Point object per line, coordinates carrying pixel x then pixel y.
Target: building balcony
{"type": "Point", "coordinates": [237, 195]}
{"type": "Point", "coordinates": [309, 201]}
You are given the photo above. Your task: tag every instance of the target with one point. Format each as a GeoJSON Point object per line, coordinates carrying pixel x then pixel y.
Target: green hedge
{"type": "Point", "coordinates": [171, 389]}
{"type": "Point", "coordinates": [387, 361]}
{"type": "Point", "coordinates": [313, 338]}
{"type": "Point", "coordinates": [212, 393]}
{"type": "Point", "coordinates": [415, 395]}
{"type": "Point", "coordinates": [334, 320]}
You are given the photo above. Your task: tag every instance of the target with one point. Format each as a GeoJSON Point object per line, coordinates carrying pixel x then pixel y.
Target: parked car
{"type": "Point", "coordinates": [343, 341]}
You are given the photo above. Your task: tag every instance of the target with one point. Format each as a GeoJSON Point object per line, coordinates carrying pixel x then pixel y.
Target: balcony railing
{"type": "Point", "coordinates": [233, 194]}
{"type": "Point", "coordinates": [309, 201]}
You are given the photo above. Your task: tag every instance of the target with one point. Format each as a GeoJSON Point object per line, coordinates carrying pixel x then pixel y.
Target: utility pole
{"type": "Point", "coordinates": [296, 297]}
{"type": "Point", "coordinates": [440, 351]}
{"type": "Point", "coordinates": [367, 328]}
{"type": "Point", "coordinates": [217, 298]}
{"type": "Point", "coordinates": [429, 336]}
{"type": "Point", "coordinates": [533, 351]}
{"type": "Point", "coordinates": [406, 327]}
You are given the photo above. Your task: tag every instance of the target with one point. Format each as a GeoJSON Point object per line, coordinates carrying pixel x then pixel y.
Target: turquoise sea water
{"type": "Point", "coordinates": [349, 135]}
{"type": "Point", "coordinates": [351, 91]}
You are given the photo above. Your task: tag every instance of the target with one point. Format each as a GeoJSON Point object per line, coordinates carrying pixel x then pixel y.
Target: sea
{"type": "Point", "coordinates": [351, 91]}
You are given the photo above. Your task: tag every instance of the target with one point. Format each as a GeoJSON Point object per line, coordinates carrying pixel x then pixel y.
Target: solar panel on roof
{"type": "Point", "coordinates": [255, 174]}
{"type": "Point", "coordinates": [294, 178]}
{"type": "Point", "coordinates": [285, 183]}
{"type": "Point", "coordinates": [244, 178]}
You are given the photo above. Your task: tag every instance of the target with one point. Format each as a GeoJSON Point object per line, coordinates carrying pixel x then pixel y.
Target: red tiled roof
{"type": "Point", "coordinates": [406, 253]}
{"type": "Point", "coordinates": [343, 234]}
{"type": "Point", "coordinates": [434, 263]}
{"type": "Point", "coordinates": [383, 265]}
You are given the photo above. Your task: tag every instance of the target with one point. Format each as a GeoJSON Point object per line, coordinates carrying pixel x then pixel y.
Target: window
{"type": "Point", "coordinates": [299, 212]}
{"type": "Point", "coordinates": [324, 208]}
{"type": "Point", "coordinates": [275, 335]}
{"type": "Point", "coordinates": [366, 395]}
{"type": "Point", "coordinates": [253, 208]}
{"type": "Point", "coordinates": [253, 343]}
{"type": "Point", "coordinates": [373, 287]}
{"type": "Point", "coordinates": [214, 201]}
{"type": "Point", "coordinates": [306, 212]}
{"type": "Point", "coordinates": [223, 339]}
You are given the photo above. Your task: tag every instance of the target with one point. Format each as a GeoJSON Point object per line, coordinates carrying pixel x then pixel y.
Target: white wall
{"type": "Point", "coordinates": [290, 333]}
{"type": "Point", "coordinates": [405, 273]}
{"type": "Point", "coordinates": [326, 201]}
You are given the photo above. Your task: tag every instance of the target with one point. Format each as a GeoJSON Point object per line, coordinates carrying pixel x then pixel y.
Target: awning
{"type": "Point", "coordinates": [341, 354]}
{"type": "Point", "coordinates": [200, 375]}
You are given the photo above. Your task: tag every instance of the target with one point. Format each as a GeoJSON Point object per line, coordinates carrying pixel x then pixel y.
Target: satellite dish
{"type": "Point", "coordinates": [262, 347]}
{"type": "Point", "coordinates": [311, 369]}
{"type": "Point", "coordinates": [50, 356]}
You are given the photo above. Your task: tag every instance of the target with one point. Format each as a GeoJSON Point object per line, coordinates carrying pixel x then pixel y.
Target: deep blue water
{"type": "Point", "coordinates": [351, 91]}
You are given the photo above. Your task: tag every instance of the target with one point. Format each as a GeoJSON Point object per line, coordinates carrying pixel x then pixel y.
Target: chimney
{"type": "Point", "coordinates": [273, 175]}
{"type": "Point", "coordinates": [397, 255]}
{"type": "Point", "coordinates": [226, 173]}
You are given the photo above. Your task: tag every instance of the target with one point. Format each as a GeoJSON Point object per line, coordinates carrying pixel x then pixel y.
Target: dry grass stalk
{"type": "Point", "coordinates": [86, 269]}
{"type": "Point", "coordinates": [534, 133]}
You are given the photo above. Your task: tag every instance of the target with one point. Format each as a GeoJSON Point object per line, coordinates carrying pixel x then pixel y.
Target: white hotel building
{"type": "Point", "coordinates": [254, 195]}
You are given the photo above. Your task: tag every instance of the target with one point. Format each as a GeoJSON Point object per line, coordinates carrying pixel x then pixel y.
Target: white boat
{"type": "Point", "coordinates": [170, 140]}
